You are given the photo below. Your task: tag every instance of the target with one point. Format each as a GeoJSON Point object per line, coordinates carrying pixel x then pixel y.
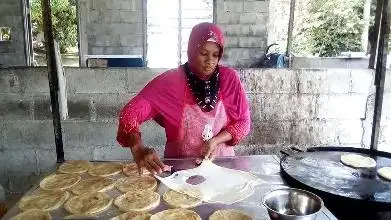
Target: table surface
{"type": "Point", "coordinates": [266, 167]}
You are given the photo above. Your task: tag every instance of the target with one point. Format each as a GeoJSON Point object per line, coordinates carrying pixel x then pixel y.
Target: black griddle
{"type": "Point", "coordinates": [348, 192]}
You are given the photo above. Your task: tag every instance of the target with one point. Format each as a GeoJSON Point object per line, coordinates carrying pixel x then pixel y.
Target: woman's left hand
{"type": "Point", "coordinates": [209, 148]}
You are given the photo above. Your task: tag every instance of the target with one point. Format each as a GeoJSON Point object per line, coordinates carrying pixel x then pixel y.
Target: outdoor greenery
{"type": "Point", "coordinates": [64, 22]}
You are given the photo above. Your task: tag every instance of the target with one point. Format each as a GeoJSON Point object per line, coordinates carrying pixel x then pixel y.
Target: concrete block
{"type": "Point", "coordinates": [256, 110]}
{"type": "Point", "coordinates": [256, 6]}
{"type": "Point", "coordinates": [242, 53]}
{"type": "Point", "coordinates": [362, 81]}
{"type": "Point", "coordinates": [79, 107]}
{"type": "Point", "coordinates": [251, 42]}
{"type": "Point", "coordinates": [10, 9]}
{"type": "Point", "coordinates": [387, 83]}
{"type": "Point", "coordinates": [42, 108]}
{"type": "Point", "coordinates": [109, 106]}
{"type": "Point", "coordinates": [105, 40]}
{"type": "Point", "coordinates": [95, 50]}
{"type": "Point", "coordinates": [15, 107]}
{"type": "Point", "coordinates": [96, 80]}
{"type": "Point", "coordinates": [9, 82]}
{"type": "Point", "coordinates": [152, 134]}
{"type": "Point", "coordinates": [139, 77]}
{"type": "Point", "coordinates": [130, 40]}
{"type": "Point", "coordinates": [258, 30]}
{"type": "Point", "coordinates": [269, 80]}
{"type": "Point", "coordinates": [3, 142]}
{"type": "Point", "coordinates": [271, 133]}
{"type": "Point", "coordinates": [386, 109]}
{"type": "Point", "coordinates": [20, 160]}
{"type": "Point", "coordinates": [253, 18]}
{"type": "Point", "coordinates": [110, 16]}
{"type": "Point", "coordinates": [324, 81]}
{"type": "Point", "coordinates": [342, 106]}
{"type": "Point", "coordinates": [229, 18]}
{"type": "Point", "coordinates": [289, 107]}
{"type": "Point", "coordinates": [78, 153]}
{"type": "Point", "coordinates": [231, 41]}
{"type": "Point", "coordinates": [21, 181]}
{"type": "Point", "coordinates": [29, 134]}
{"type": "Point", "coordinates": [95, 16]}
{"type": "Point", "coordinates": [130, 16]}
{"type": "Point", "coordinates": [233, 6]}
{"type": "Point", "coordinates": [112, 153]}
{"type": "Point", "coordinates": [47, 160]}
{"type": "Point", "coordinates": [23, 77]}
{"type": "Point", "coordinates": [84, 133]}
{"type": "Point", "coordinates": [232, 29]}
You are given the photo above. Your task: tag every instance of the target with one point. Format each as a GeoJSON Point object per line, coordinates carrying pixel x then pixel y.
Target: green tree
{"type": "Point", "coordinates": [330, 27]}
{"type": "Point", "coordinates": [64, 22]}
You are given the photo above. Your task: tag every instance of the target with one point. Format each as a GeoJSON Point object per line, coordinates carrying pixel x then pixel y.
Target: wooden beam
{"type": "Point", "coordinates": [290, 28]}
{"type": "Point", "coordinates": [52, 76]}
{"type": "Point", "coordinates": [380, 76]}
{"type": "Point", "coordinates": [375, 35]}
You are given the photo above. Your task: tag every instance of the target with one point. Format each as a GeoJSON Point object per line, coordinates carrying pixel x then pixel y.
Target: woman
{"type": "Point", "coordinates": [201, 105]}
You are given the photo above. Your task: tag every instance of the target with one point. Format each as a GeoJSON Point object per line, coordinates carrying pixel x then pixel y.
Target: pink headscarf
{"type": "Point", "coordinates": [200, 34]}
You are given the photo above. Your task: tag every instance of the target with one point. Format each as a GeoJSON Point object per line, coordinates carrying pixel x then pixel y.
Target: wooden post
{"type": "Point", "coordinates": [380, 76]}
{"type": "Point", "coordinates": [52, 76]}
{"type": "Point", "coordinates": [375, 35]}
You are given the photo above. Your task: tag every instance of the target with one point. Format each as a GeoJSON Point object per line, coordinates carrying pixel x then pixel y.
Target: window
{"type": "Point", "coordinates": [169, 25]}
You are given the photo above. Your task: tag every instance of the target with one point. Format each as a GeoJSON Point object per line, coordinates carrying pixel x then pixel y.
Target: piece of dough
{"type": "Point", "coordinates": [385, 172]}
{"type": "Point", "coordinates": [75, 166]}
{"type": "Point", "coordinates": [131, 169]}
{"type": "Point", "coordinates": [33, 214]}
{"type": "Point", "coordinates": [180, 200]}
{"type": "Point", "coordinates": [105, 169]}
{"type": "Point", "coordinates": [357, 161]}
{"type": "Point", "coordinates": [97, 184]}
{"type": "Point", "coordinates": [127, 184]}
{"type": "Point", "coordinates": [137, 201]}
{"type": "Point", "coordinates": [59, 181]}
{"type": "Point", "coordinates": [88, 203]}
{"type": "Point", "coordinates": [229, 214]}
{"type": "Point", "coordinates": [133, 216]}
{"type": "Point", "coordinates": [176, 214]}
{"type": "Point", "coordinates": [45, 201]}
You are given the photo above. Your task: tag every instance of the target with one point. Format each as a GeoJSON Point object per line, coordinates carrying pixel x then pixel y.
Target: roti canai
{"type": "Point", "coordinates": [44, 201]}
{"type": "Point", "coordinates": [133, 216]}
{"type": "Point", "coordinates": [105, 169]}
{"type": "Point", "coordinates": [357, 161]}
{"type": "Point", "coordinates": [75, 166]}
{"type": "Point", "coordinates": [59, 181]}
{"type": "Point", "coordinates": [176, 214]}
{"type": "Point", "coordinates": [385, 172]}
{"type": "Point", "coordinates": [137, 201]}
{"type": "Point", "coordinates": [127, 184]}
{"type": "Point", "coordinates": [88, 203]}
{"type": "Point", "coordinates": [131, 169]}
{"type": "Point", "coordinates": [96, 184]}
{"type": "Point", "coordinates": [231, 214]}
{"type": "Point", "coordinates": [180, 200]}
{"type": "Point", "coordinates": [33, 214]}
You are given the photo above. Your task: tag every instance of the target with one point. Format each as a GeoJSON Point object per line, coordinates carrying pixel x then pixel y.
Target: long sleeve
{"type": "Point", "coordinates": [237, 105]}
{"type": "Point", "coordinates": [132, 116]}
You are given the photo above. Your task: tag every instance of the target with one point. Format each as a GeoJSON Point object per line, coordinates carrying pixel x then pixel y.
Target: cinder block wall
{"type": "Point", "coordinates": [12, 53]}
{"type": "Point", "coordinates": [307, 107]}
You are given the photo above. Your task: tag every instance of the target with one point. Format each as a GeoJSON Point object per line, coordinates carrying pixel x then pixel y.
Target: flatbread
{"type": "Point", "coordinates": [105, 169]}
{"type": "Point", "coordinates": [385, 172]}
{"type": "Point", "coordinates": [75, 166]}
{"type": "Point", "coordinates": [131, 169]}
{"type": "Point", "coordinates": [33, 214]}
{"type": "Point", "coordinates": [357, 161]}
{"type": "Point", "coordinates": [176, 214]}
{"type": "Point", "coordinates": [229, 214]}
{"type": "Point", "coordinates": [133, 216]}
{"type": "Point", "coordinates": [137, 201]}
{"type": "Point", "coordinates": [45, 201]}
{"type": "Point", "coordinates": [127, 184]}
{"type": "Point", "coordinates": [79, 217]}
{"type": "Point", "coordinates": [180, 200]}
{"type": "Point", "coordinates": [88, 203]}
{"type": "Point", "coordinates": [96, 184]}
{"type": "Point", "coordinates": [59, 181]}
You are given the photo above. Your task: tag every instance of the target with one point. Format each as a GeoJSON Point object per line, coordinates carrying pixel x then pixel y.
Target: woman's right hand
{"type": "Point", "coordinates": [147, 157]}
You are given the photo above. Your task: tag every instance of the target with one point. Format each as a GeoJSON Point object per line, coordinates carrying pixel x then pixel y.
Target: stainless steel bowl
{"type": "Point", "coordinates": [292, 204]}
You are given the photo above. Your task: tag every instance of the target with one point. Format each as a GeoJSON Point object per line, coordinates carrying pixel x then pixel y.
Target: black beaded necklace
{"type": "Point", "coordinates": [204, 91]}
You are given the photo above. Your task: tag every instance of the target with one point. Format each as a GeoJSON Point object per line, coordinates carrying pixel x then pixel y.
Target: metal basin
{"type": "Point", "coordinates": [292, 204]}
